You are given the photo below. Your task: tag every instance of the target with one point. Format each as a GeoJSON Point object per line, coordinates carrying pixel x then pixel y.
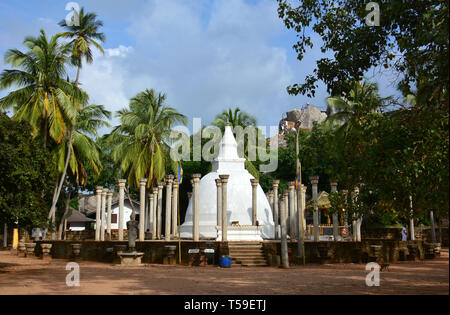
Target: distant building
{"type": "Point", "coordinates": [127, 208]}
{"type": "Point", "coordinates": [78, 221]}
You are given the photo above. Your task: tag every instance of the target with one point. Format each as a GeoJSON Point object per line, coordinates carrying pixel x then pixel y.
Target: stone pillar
{"type": "Point", "coordinates": [224, 178]}
{"type": "Point", "coordinates": [153, 216]}
{"type": "Point", "coordinates": [300, 219]}
{"type": "Point", "coordinates": [291, 222]}
{"type": "Point", "coordinates": [103, 215]}
{"type": "Point", "coordinates": [358, 221]}
{"type": "Point", "coordinates": [159, 210]}
{"type": "Point", "coordinates": [254, 182]}
{"type": "Point", "coordinates": [219, 201]}
{"type": "Point", "coordinates": [283, 224]}
{"type": "Point", "coordinates": [196, 206]}
{"type": "Point", "coordinates": [411, 220]}
{"type": "Point", "coordinates": [189, 194]}
{"type": "Point", "coordinates": [433, 231]}
{"type": "Point", "coordinates": [108, 224]}
{"type": "Point", "coordinates": [345, 193]}
{"type": "Point", "coordinates": [304, 205]}
{"type": "Point", "coordinates": [98, 190]}
{"type": "Point", "coordinates": [271, 200]}
{"type": "Point", "coordinates": [295, 231]}
{"type": "Point", "coordinates": [169, 181]}
{"type": "Point", "coordinates": [142, 184]}
{"type": "Point", "coordinates": [121, 209]}
{"type": "Point", "coordinates": [314, 182]}
{"type": "Point", "coordinates": [333, 185]}
{"type": "Point", "coordinates": [5, 235]}
{"type": "Point", "coordinates": [275, 184]}
{"type": "Point", "coordinates": [175, 186]}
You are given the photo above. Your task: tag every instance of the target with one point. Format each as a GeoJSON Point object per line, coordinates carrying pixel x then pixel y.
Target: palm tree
{"type": "Point", "coordinates": [362, 99]}
{"type": "Point", "coordinates": [83, 150]}
{"type": "Point", "coordinates": [234, 118]}
{"type": "Point", "coordinates": [43, 98]}
{"type": "Point", "coordinates": [141, 141]}
{"type": "Point", "coordinates": [82, 38]}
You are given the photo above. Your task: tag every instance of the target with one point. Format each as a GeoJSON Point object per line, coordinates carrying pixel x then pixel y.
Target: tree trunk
{"type": "Point", "coordinates": [69, 152]}
{"type": "Point", "coordinates": [61, 223]}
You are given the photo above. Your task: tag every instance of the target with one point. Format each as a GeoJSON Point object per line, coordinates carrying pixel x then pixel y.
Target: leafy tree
{"type": "Point", "coordinates": [412, 39]}
{"type": "Point", "coordinates": [83, 36]}
{"type": "Point", "coordinates": [25, 170]}
{"type": "Point", "coordinates": [141, 141]}
{"type": "Point", "coordinates": [234, 118]}
{"type": "Point", "coordinates": [43, 97]}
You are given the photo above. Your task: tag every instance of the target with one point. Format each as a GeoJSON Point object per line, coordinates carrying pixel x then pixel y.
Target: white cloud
{"type": "Point", "coordinates": [203, 66]}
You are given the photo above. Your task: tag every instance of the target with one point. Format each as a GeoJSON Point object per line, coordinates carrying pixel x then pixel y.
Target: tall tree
{"type": "Point", "coordinates": [43, 97]}
{"type": "Point", "coordinates": [412, 39]}
{"type": "Point", "coordinates": [25, 169]}
{"type": "Point", "coordinates": [234, 118]}
{"type": "Point", "coordinates": [141, 141]}
{"type": "Point", "coordinates": [83, 35]}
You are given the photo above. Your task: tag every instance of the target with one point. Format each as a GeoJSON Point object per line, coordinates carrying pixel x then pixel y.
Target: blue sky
{"type": "Point", "coordinates": [206, 55]}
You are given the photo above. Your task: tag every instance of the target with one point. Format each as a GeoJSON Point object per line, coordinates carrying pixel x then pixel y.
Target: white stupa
{"type": "Point", "coordinates": [239, 199]}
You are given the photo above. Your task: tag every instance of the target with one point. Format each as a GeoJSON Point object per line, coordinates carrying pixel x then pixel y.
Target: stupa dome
{"type": "Point", "coordinates": [239, 195]}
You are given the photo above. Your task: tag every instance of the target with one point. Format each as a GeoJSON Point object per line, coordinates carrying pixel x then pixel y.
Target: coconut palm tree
{"type": "Point", "coordinates": [141, 141]}
{"type": "Point", "coordinates": [362, 98]}
{"type": "Point", "coordinates": [43, 97]}
{"type": "Point", "coordinates": [83, 36]}
{"type": "Point", "coordinates": [84, 152]}
{"type": "Point", "coordinates": [234, 118]}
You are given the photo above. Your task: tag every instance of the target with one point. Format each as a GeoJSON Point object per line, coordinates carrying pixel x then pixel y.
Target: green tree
{"type": "Point", "coordinates": [234, 118]}
{"type": "Point", "coordinates": [141, 141]}
{"type": "Point", "coordinates": [83, 36]}
{"type": "Point", "coordinates": [412, 39]}
{"type": "Point", "coordinates": [25, 169]}
{"type": "Point", "coordinates": [43, 98]}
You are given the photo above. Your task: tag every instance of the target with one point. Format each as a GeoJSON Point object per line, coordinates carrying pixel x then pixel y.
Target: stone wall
{"type": "Point", "coordinates": [154, 251]}
{"type": "Point", "coordinates": [344, 252]}
{"type": "Point", "coordinates": [316, 252]}
{"type": "Point", "coordinates": [382, 233]}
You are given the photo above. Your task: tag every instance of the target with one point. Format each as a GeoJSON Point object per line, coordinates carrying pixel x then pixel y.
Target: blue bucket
{"type": "Point", "coordinates": [225, 262]}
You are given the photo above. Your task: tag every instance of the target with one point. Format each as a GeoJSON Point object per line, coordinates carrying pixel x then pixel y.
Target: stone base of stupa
{"type": "Point", "coordinates": [241, 233]}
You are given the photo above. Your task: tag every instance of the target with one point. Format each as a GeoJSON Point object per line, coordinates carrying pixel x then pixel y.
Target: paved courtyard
{"type": "Point", "coordinates": [33, 276]}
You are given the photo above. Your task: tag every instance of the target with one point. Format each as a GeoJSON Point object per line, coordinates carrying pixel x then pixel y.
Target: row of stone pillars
{"type": "Point", "coordinates": [295, 212]}
{"type": "Point", "coordinates": [150, 213]}
{"type": "Point", "coordinates": [222, 219]}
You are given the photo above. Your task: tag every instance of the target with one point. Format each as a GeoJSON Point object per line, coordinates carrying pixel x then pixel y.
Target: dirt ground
{"type": "Point", "coordinates": [20, 275]}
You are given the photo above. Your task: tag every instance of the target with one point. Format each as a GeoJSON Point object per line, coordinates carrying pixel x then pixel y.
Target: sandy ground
{"type": "Point", "coordinates": [20, 275]}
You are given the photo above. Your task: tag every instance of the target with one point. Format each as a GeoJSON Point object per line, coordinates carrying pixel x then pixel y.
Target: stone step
{"type": "Point", "coordinates": [245, 251]}
{"type": "Point", "coordinates": [248, 258]}
{"type": "Point", "coordinates": [254, 265]}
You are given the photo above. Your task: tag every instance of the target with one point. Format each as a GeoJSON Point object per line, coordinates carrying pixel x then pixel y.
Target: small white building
{"type": "Point", "coordinates": [127, 209]}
